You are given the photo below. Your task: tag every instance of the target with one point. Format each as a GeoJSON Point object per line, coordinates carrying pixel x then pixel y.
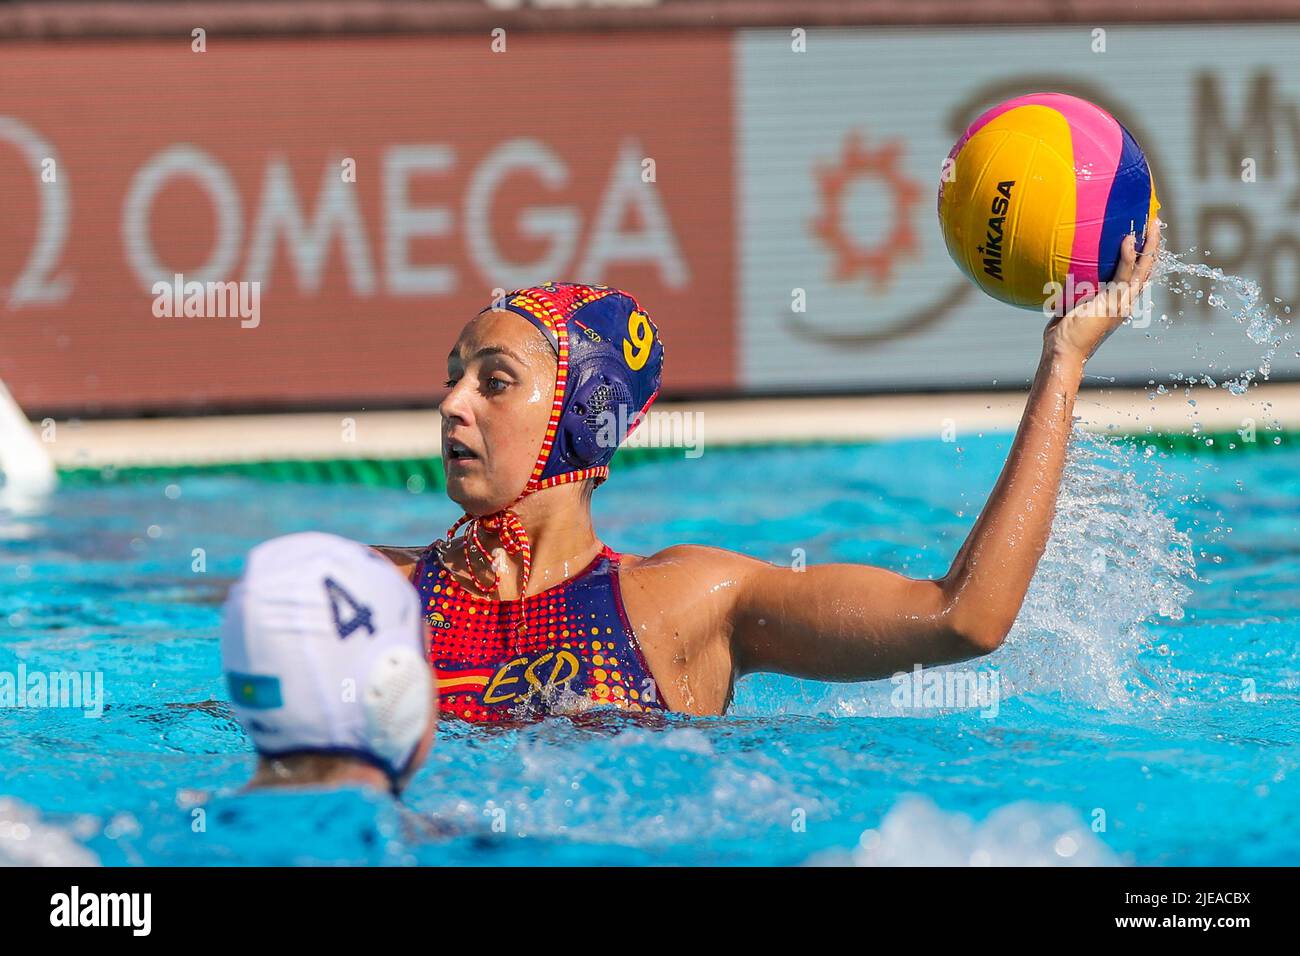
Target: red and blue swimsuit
{"type": "Point", "coordinates": [562, 650]}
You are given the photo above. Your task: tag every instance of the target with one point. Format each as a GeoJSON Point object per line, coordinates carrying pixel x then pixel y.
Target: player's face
{"type": "Point", "coordinates": [502, 379]}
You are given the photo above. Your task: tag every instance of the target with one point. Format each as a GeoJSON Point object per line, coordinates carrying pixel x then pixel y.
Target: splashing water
{"type": "Point", "coordinates": [1236, 295]}
{"type": "Point", "coordinates": [26, 839]}
{"type": "Point", "coordinates": [916, 832]}
{"type": "Point", "coordinates": [1114, 562]}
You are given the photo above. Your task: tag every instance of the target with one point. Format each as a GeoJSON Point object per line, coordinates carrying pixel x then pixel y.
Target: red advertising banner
{"type": "Point", "coordinates": [295, 223]}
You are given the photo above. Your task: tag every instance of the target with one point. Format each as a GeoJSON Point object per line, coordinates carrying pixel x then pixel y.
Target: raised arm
{"type": "Point", "coordinates": [854, 622]}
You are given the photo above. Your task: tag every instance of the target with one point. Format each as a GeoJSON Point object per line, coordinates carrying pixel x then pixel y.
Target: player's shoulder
{"type": "Point", "coordinates": [405, 558]}
{"type": "Point", "coordinates": [696, 563]}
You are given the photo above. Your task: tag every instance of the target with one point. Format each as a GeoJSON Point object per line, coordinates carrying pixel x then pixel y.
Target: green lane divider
{"type": "Point", "coordinates": [425, 474]}
{"type": "Point", "coordinates": [1218, 443]}
{"type": "Point", "coordinates": [414, 474]}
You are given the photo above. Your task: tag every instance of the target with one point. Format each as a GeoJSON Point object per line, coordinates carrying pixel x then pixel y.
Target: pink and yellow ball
{"type": "Point", "coordinates": [1037, 197]}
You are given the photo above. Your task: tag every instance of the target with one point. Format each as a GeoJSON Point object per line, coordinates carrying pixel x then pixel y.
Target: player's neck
{"type": "Point", "coordinates": [561, 537]}
{"type": "Point", "coordinates": [317, 770]}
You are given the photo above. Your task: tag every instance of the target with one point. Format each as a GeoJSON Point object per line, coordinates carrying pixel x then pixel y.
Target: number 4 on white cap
{"type": "Point", "coordinates": [341, 602]}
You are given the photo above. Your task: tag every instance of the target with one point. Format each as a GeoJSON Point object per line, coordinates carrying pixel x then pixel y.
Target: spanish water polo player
{"type": "Point", "coordinates": [531, 613]}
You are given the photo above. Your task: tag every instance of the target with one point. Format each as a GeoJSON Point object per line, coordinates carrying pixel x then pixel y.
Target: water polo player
{"type": "Point", "coordinates": [324, 649]}
{"type": "Point", "coordinates": [531, 613]}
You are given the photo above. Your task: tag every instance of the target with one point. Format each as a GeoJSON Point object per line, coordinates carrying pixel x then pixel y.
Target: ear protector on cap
{"type": "Point", "coordinates": [610, 363]}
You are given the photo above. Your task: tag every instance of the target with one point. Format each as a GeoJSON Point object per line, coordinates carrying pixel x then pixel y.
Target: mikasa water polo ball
{"type": "Point", "coordinates": [1037, 197]}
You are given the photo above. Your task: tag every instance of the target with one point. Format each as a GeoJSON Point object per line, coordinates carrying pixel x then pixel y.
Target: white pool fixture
{"type": "Point", "coordinates": [24, 462]}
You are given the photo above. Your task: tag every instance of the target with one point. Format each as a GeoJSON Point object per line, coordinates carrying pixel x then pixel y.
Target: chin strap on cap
{"type": "Point", "coordinates": [509, 530]}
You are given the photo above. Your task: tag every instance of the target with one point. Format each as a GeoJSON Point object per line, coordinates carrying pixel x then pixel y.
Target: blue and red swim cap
{"type": "Point", "coordinates": [609, 364]}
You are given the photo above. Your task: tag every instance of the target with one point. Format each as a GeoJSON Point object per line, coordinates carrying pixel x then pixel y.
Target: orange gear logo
{"type": "Point", "coordinates": [858, 161]}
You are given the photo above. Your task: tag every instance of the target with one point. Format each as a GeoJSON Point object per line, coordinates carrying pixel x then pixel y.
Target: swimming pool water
{"type": "Point", "coordinates": [1148, 704]}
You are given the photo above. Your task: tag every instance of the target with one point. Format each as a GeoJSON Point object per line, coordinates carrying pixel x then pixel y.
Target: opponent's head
{"type": "Point", "coordinates": [545, 384]}
{"type": "Point", "coordinates": [325, 652]}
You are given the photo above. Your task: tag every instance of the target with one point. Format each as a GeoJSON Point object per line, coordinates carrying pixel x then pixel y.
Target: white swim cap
{"type": "Point", "coordinates": [324, 651]}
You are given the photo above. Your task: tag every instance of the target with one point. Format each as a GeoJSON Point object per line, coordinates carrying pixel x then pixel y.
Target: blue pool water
{"type": "Point", "coordinates": [1148, 705]}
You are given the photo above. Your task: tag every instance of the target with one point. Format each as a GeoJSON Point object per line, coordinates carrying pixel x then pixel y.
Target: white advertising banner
{"type": "Point", "coordinates": [844, 279]}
